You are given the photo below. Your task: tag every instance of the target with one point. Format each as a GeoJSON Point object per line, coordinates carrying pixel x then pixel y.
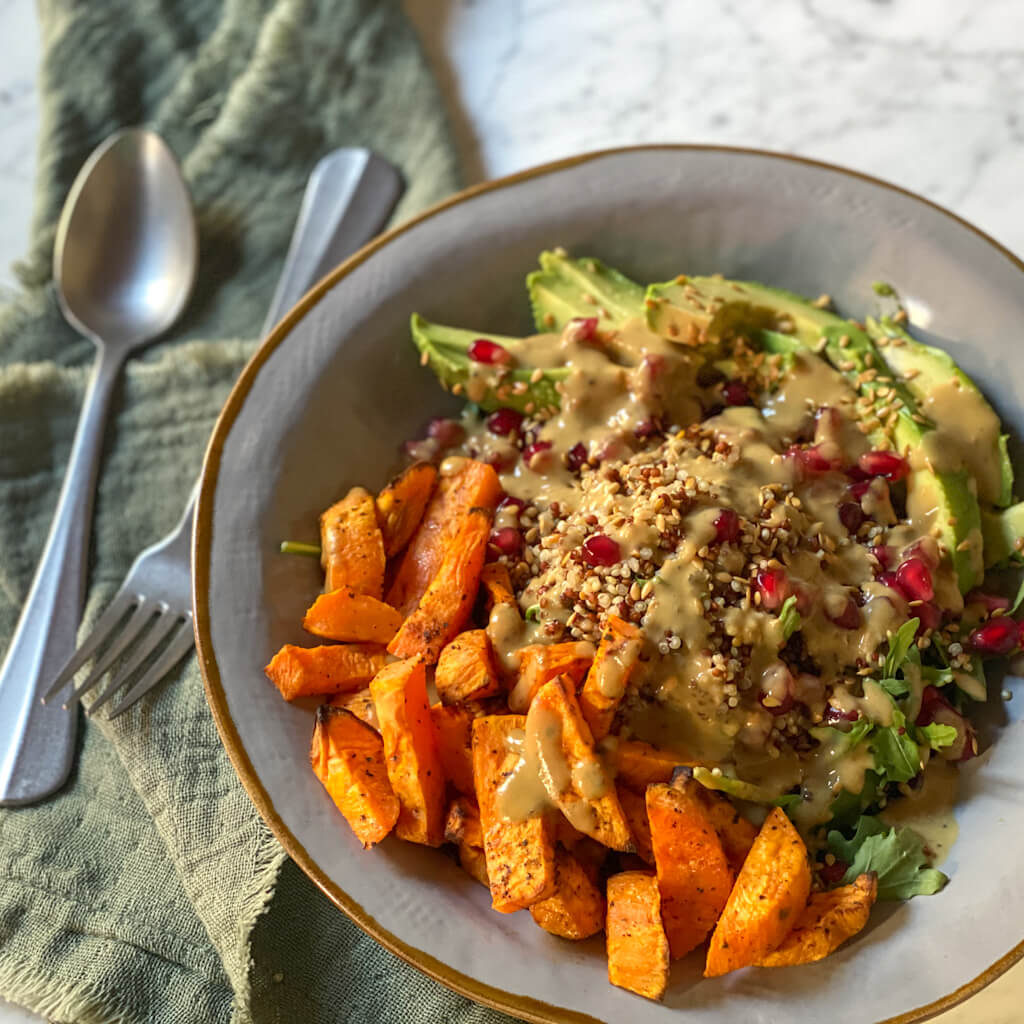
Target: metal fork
{"type": "Point", "coordinates": [348, 199]}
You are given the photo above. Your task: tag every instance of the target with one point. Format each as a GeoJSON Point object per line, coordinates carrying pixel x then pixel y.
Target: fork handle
{"type": "Point", "coordinates": [37, 740]}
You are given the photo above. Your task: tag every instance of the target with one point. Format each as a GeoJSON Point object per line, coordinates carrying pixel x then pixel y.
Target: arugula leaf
{"type": "Point", "coordinates": [787, 800]}
{"type": "Point", "coordinates": [841, 740]}
{"type": "Point", "coordinates": [1018, 600]}
{"type": "Point", "coordinates": [849, 806]}
{"type": "Point", "coordinates": [937, 736]}
{"type": "Point", "coordinates": [900, 645]}
{"type": "Point", "coordinates": [896, 856]}
{"type": "Point", "coordinates": [896, 754]}
{"type": "Point", "coordinates": [894, 687]}
{"type": "Point", "coordinates": [789, 617]}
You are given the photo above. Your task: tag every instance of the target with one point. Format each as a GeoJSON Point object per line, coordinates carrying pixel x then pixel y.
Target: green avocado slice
{"type": "Point", "coordinates": [1003, 533]}
{"type": "Point", "coordinates": [924, 368]}
{"type": "Point", "coordinates": [564, 289]}
{"type": "Point", "coordinates": [446, 351]}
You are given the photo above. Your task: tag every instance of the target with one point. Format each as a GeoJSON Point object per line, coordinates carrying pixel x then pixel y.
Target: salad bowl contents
{"type": "Point", "coordinates": [676, 631]}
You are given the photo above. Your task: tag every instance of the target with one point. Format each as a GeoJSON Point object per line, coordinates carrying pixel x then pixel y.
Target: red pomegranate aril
{"type": "Point", "coordinates": [576, 457]}
{"type": "Point", "coordinates": [735, 392]}
{"type": "Point", "coordinates": [851, 515]}
{"type": "Point", "coordinates": [883, 554]}
{"type": "Point", "coordinates": [888, 579]}
{"type": "Point", "coordinates": [832, 874]}
{"type": "Point", "coordinates": [930, 617]}
{"type": "Point", "coordinates": [501, 462]}
{"type": "Point", "coordinates": [887, 464]}
{"type": "Point", "coordinates": [777, 689]}
{"type": "Point", "coordinates": [773, 586]}
{"type": "Point", "coordinates": [583, 328]}
{"type": "Point", "coordinates": [483, 350]}
{"type": "Point", "coordinates": [532, 450]}
{"type": "Point", "coordinates": [727, 526]}
{"type": "Point", "coordinates": [508, 540]}
{"type": "Point", "coordinates": [601, 550]}
{"type": "Point", "coordinates": [858, 489]}
{"type": "Point", "coordinates": [914, 580]}
{"type": "Point", "coordinates": [447, 433]}
{"type": "Point", "coordinates": [935, 708]}
{"type": "Point", "coordinates": [990, 602]}
{"type": "Point", "coordinates": [927, 549]}
{"type": "Point", "coordinates": [836, 716]}
{"type": "Point", "coordinates": [504, 422]}
{"type": "Point", "coordinates": [646, 428]}
{"type": "Point", "coordinates": [424, 450]}
{"type": "Point", "coordinates": [997, 636]}
{"type": "Point", "coordinates": [815, 460]}
{"type": "Point", "coordinates": [848, 618]}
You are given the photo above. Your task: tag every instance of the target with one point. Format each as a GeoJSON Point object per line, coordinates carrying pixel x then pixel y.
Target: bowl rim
{"type": "Point", "coordinates": [524, 1007]}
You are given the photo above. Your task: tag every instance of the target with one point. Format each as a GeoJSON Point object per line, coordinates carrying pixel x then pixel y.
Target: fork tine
{"type": "Point", "coordinates": [122, 602]}
{"type": "Point", "coordinates": [179, 647]}
{"type": "Point", "coordinates": [162, 626]}
{"type": "Point", "coordinates": [142, 614]}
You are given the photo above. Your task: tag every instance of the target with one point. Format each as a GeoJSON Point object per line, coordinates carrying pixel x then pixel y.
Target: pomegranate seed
{"type": "Point", "coordinates": [773, 586]}
{"type": "Point", "coordinates": [990, 602]}
{"type": "Point", "coordinates": [576, 457]}
{"type": "Point", "coordinates": [504, 422]}
{"type": "Point", "coordinates": [927, 549]}
{"type": "Point", "coordinates": [508, 540]}
{"type": "Point", "coordinates": [815, 460]}
{"type": "Point", "coordinates": [930, 616]}
{"type": "Point", "coordinates": [420, 451]}
{"type": "Point", "coordinates": [805, 597]}
{"type": "Point", "coordinates": [836, 716]}
{"type": "Point", "coordinates": [600, 550]}
{"type": "Point", "coordinates": [997, 636]}
{"type": "Point", "coordinates": [848, 618]}
{"type": "Point", "coordinates": [727, 527]}
{"type": "Point", "coordinates": [500, 462]}
{"type": "Point", "coordinates": [856, 474]}
{"type": "Point", "coordinates": [887, 464]}
{"type": "Point", "coordinates": [830, 874]}
{"type": "Point", "coordinates": [888, 579]}
{"type": "Point", "coordinates": [735, 393]}
{"type": "Point", "coordinates": [531, 451]}
{"type": "Point", "coordinates": [447, 433]}
{"type": "Point", "coordinates": [883, 555]}
{"type": "Point", "coordinates": [935, 708]}
{"type": "Point", "coordinates": [511, 502]}
{"type": "Point", "coordinates": [777, 687]}
{"type": "Point", "coordinates": [583, 328]}
{"type": "Point", "coordinates": [851, 515]}
{"type": "Point", "coordinates": [490, 352]}
{"type": "Point", "coordinates": [646, 428]}
{"type": "Point", "coordinates": [858, 489]}
{"type": "Point", "coordinates": [914, 580]}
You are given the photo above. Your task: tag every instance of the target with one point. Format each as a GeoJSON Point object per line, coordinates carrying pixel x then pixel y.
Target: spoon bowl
{"type": "Point", "coordinates": [126, 249]}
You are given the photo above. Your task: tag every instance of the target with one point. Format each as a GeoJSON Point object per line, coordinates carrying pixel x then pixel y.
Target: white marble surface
{"type": "Point", "coordinates": [924, 93]}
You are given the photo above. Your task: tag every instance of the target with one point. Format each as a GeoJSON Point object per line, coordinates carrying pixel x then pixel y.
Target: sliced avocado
{"type": "Point", "coordinates": [565, 288]}
{"type": "Point", "coordinates": [733, 787]}
{"type": "Point", "coordinates": [923, 368]}
{"type": "Point", "coordinates": [446, 352]}
{"type": "Point", "coordinates": [1002, 532]}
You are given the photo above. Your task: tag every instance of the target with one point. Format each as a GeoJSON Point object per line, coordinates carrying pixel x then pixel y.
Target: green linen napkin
{"type": "Point", "coordinates": [149, 890]}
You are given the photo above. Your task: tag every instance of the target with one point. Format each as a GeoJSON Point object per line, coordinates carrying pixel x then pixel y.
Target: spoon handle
{"type": "Point", "coordinates": [37, 740]}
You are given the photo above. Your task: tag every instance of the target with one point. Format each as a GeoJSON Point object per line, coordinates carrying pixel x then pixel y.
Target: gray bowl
{"type": "Point", "coordinates": [331, 393]}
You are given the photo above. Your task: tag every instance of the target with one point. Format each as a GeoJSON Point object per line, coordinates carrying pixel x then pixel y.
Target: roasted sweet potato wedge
{"type": "Point", "coordinates": [359, 703]}
{"type": "Point", "coordinates": [448, 600]}
{"type": "Point", "coordinates": [346, 615]}
{"type": "Point", "coordinates": [638, 958]}
{"type": "Point", "coordinates": [496, 584]}
{"type": "Point", "coordinates": [570, 768]}
{"type": "Point", "coordinates": [634, 806]}
{"type": "Point", "coordinates": [693, 874]}
{"type": "Point", "coordinates": [638, 764]}
{"type": "Point", "coordinates": [474, 862]}
{"type": "Point", "coordinates": [540, 663]}
{"type": "Point", "coordinates": [577, 908]}
{"type": "Point", "coordinates": [766, 901]}
{"type": "Point", "coordinates": [828, 920]}
{"type": "Point", "coordinates": [462, 822]}
{"type": "Point", "coordinates": [453, 730]}
{"type": "Point", "coordinates": [317, 671]}
{"type": "Point", "coordinates": [468, 485]}
{"type": "Point", "coordinates": [737, 834]}
{"type": "Point", "coordinates": [465, 670]}
{"type": "Point", "coordinates": [401, 504]}
{"type": "Point", "coordinates": [351, 545]}
{"type": "Point", "coordinates": [518, 840]}
{"type": "Point", "coordinates": [348, 758]}
{"type": "Point", "coordinates": [608, 677]}
{"type": "Point", "coordinates": [413, 763]}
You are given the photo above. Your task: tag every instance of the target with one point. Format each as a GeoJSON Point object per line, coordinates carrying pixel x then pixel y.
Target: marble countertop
{"type": "Point", "coordinates": [922, 93]}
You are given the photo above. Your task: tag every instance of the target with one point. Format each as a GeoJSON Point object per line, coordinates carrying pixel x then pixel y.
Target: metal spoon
{"type": "Point", "coordinates": [124, 263]}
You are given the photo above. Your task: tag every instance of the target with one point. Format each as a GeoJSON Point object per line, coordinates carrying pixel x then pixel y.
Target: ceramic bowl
{"type": "Point", "coordinates": [331, 393]}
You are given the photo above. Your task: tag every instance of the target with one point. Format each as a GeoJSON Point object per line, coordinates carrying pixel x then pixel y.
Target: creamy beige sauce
{"type": "Point", "coordinates": [929, 810]}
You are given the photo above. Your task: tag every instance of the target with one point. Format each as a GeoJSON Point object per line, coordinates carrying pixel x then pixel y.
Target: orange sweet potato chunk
{"type": "Point", "coordinates": [767, 900]}
{"type": "Point", "coordinates": [693, 874]}
{"type": "Point", "coordinates": [634, 806]}
{"type": "Point", "coordinates": [348, 758]}
{"type": "Point", "coordinates": [448, 600]}
{"type": "Point", "coordinates": [828, 920]}
{"type": "Point", "coordinates": [496, 584]}
{"type": "Point", "coordinates": [465, 670]}
{"type": "Point", "coordinates": [401, 504]}
{"type": "Point", "coordinates": [638, 957]}
{"type": "Point", "coordinates": [462, 822]}
{"type": "Point", "coordinates": [737, 834]}
{"type": "Point", "coordinates": [638, 764]}
{"type": "Point", "coordinates": [413, 764]}
{"type": "Point", "coordinates": [577, 908]}
{"type": "Point", "coordinates": [351, 545]}
{"type": "Point", "coordinates": [359, 703]}
{"type": "Point", "coordinates": [540, 663]}
{"type": "Point", "coordinates": [520, 852]}
{"type": "Point", "coordinates": [471, 484]}
{"type": "Point", "coordinates": [346, 615]}
{"type": "Point", "coordinates": [453, 730]}
{"type": "Point", "coordinates": [570, 767]}
{"type": "Point", "coordinates": [334, 668]}
{"type": "Point", "coordinates": [473, 861]}
{"type": "Point", "coordinates": [608, 677]}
